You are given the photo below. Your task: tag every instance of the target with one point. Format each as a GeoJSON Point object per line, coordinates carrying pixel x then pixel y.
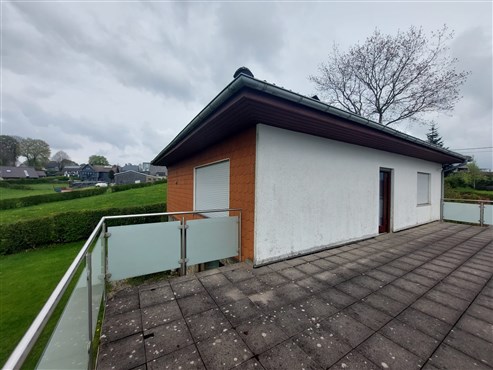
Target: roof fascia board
{"type": "Point", "coordinates": [246, 81]}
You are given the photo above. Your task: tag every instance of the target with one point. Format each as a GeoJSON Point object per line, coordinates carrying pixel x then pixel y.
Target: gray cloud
{"type": "Point", "coordinates": [122, 79]}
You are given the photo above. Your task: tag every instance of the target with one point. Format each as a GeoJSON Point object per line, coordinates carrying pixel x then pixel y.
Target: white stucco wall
{"type": "Point", "coordinates": [312, 192]}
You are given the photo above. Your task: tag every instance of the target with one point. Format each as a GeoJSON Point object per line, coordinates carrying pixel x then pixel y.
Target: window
{"type": "Point", "coordinates": [212, 188]}
{"type": "Point", "coordinates": [423, 188]}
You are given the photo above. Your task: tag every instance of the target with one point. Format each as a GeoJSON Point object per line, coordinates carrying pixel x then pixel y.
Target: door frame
{"type": "Point", "coordinates": [385, 227]}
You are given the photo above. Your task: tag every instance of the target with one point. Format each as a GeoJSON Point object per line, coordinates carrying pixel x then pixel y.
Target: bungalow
{"type": "Point", "coordinates": [306, 175]}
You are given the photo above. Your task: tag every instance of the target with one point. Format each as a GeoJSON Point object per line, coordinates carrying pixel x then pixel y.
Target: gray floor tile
{"type": "Point", "coordinates": [322, 346]}
{"type": "Point", "coordinates": [355, 361]}
{"type": "Point", "coordinates": [239, 311]}
{"type": "Point", "coordinates": [425, 323]}
{"type": "Point", "coordinates": [287, 356]}
{"type": "Point", "coordinates": [387, 354]}
{"type": "Point", "coordinates": [124, 354]}
{"type": "Point", "coordinates": [195, 304]}
{"type": "Point", "coordinates": [437, 310]}
{"type": "Point", "coordinates": [477, 327]}
{"type": "Point", "coordinates": [261, 334]}
{"type": "Point", "coordinates": [447, 357]}
{"type": "Point", "coordinates": [164, 339]}
{"type": "Point", "coordinates": [410, 338]}
{"type": "Point", "coordinates": [368, 315]}
{"type": "Point", "coordinates": [160, 314]}
{"type": "Point", "coordinates": [471, 345]}
{"type": "Point", "coordinates": [156, 295]}
{"type": "Point", "coordinates": [120, 326]}
{"type": "Point", "coordinates": [207, 324]}
{"type": "Point", "coordinates": [224, 351]}
{"type": "Point", "coordinates": [347, 328]}
{"type": "Point", "coordinates": [184, 358]}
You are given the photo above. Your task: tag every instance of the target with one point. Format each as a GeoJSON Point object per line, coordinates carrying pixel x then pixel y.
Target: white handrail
{"type": "Point", "coordinates": [21, 351]}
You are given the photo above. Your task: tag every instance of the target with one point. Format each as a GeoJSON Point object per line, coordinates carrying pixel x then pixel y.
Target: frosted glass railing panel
{"type": "Point", "coordinates": [462, 212]}
{"type": "Point", "coordinates": [68, 345]}
{"type": "Point", "coordinates": [136, 250]}
{"type": "Point", "coordinates": [97, 281]}
{"type": "Point", "coordinates": [212, 239]}
{"type": "Point", "coordinates": [488, 214]}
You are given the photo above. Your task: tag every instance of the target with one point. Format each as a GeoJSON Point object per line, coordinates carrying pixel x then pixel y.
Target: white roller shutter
{"type": "Point", "coordinates": [212, 188]}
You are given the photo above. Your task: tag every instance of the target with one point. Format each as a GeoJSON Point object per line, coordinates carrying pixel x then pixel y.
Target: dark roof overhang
{"type": "Point", "coordinates": [246, 102]}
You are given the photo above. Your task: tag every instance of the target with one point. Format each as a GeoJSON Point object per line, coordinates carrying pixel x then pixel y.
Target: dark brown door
{"type": "Point", "coordinates": [384, 202]}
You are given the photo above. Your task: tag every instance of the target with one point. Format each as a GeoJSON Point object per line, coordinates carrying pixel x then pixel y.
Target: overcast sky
{"type": "Point", "coordinates": [121, 79]}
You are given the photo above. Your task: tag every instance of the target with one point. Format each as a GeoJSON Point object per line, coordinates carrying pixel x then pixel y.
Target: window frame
{"type": "Point", "coordinates": [420, 198]}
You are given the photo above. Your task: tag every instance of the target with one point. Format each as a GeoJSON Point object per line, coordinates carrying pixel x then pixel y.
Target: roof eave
{"type": "Point", "coordinates": [244, 81]}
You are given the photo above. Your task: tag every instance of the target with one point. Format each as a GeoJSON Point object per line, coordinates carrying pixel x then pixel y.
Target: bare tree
{"type": "Point", "coordinates": [61, 158]}
{"type": "Point", "coordinates": [392, 78]}
{"type": "Point", "coordinates": [37, 152]}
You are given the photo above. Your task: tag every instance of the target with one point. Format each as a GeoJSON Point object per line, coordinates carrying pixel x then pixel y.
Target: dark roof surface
{"type": "Point", "coordinates": [7, 172]}
{"type": "Point", "coordinates": [247, 101]}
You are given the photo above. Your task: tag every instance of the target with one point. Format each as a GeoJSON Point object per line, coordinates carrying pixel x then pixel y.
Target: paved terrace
{"type": "Point", "coordinates": [421, 298]}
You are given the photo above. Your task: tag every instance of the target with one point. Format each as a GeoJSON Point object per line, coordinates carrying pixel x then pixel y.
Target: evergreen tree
{"type": "Point", "coordinates": [433, 136]}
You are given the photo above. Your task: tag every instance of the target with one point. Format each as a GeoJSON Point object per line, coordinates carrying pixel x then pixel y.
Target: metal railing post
{"type": "Point", "coordinates": [106, 235]}
{"type": "Point", "coordinates": [442, 206]}
{"type": "Point", "coordinates": [481, 213]}
{"type": "Point", "coordinates": [89, 308]}
{"type": "Point", "coordinates": [239, 237]}
{"type": "Point", "coordinates": [183, 251]}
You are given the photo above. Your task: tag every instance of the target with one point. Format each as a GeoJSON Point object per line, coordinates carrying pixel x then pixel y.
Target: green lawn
{"type": "Point", "coordinates": [134, 197]}
{"type": "Point", "coordinates": [26, 281]}
{"type": "Point", "coordinates": [35, 189]}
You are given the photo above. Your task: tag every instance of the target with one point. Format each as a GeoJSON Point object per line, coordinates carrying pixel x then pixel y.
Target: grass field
{"type": "Point", "coordinates": [26, 281]}
{"type": "Point", "coordinates": [128, 198]}
{"type": "Point", "coordinates": [35, 189]}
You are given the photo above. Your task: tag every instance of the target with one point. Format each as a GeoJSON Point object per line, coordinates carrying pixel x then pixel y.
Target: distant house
{"type": "Point", "coordinates": [41, 174]}
{"type": "Point", "coordinates": [160, 171]}
{"type": "Point", "coordinates": [133, 177]}
{"type": "Point", "coordinates": [97, 173]}
{"type": "Point", "coordinates": [52, 168]}
{"type": "Point", "coordinates": [71, 171]}
{"type": "Point", "coordinates": [130, 167]}
{"type": "Point", "coordinates": [18, 173]}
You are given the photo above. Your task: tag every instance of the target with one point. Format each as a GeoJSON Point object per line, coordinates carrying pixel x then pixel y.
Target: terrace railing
{"type": "Point", "coordinates": [119, 252]}
{"type": "Point", "coordinates": [468, 211]}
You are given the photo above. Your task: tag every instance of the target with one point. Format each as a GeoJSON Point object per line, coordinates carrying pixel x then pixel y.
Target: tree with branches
{"type": "Point", "coordinates": [99, 160]}
{"type": "Point", "coordinates": [36, 151]}
{"type": "Point", "coordinates": [390, 78]}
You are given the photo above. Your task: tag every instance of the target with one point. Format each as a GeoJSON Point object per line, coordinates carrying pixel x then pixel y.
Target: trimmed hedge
{"type": "Point", "coordinates": [44, 180]}
{"type": "Point", "coordinates": [66, 227]}
{"type": "Point", "coordinates": [7, 185]}
{"type": "Point", "coordinates": [124, 187]}
{"type": "Point", "coordinates": [48, 198]}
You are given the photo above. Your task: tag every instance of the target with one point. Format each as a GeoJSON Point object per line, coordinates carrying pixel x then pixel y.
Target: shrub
{"type": "Point", "coordinates": [48, 198]}
{"type": "Point", "coordinates": [65, 227]}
